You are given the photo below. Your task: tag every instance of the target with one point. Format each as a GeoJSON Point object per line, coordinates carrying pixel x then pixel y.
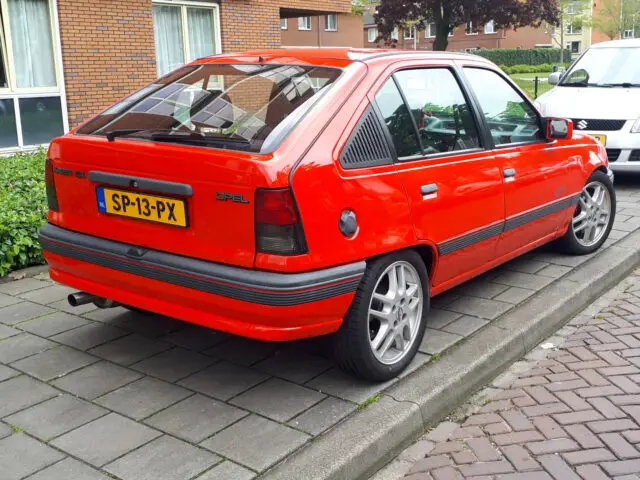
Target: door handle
{"type": "Point", "coordinates": [510, 174]}
{"type": "Point", "coordinates": [429, 189]}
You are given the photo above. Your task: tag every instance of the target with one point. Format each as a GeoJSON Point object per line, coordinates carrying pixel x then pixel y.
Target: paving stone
{"type": "Point", "coordinates": [227, 471]}
{"type": "Point", "coordinates": [278, 399]}
{"type": "Point", "coordinates": [479, 307]}
{"type": "Point", "coordinates": [556, 445]}
{"type": "Point", "coordinates": [604, 426]}
{"type": "Point", "coordinates": [523, 280]}
{"type": "Point", "coordinates": [54, 363]}
{"type": "Point", "coordinates": [6, 300]}
{"type": "Point", "coordinates": [53, 324]}
{"type": "Point", "coordinates": [322, 416]}
{"type": "Point", "coordinates": [547, 409]}
{"type": "Point", "coordinates": [22, 392]}
{"type": "Point", "coordinates": [591, 472]}
{"type": "Point", "coordinates": [438, 318]}
{"type": "Point", "coordinates": [21, 455]}
{"type": "Point", "coordinates": [19, 312]}
{"type": "Point", "coordinates": [143, 397]}
{"type": "Point", "coordinates": [486, 468]}
{"type": "Point", "coordinates": [21, 346]}
{"type": "Point", "coordinates": [96, 380]}
{"type": "Point", "coordinates": [223, 380]}
{"type": "Point", "coordinates": [618, 445]}
{"type": "Point", "coordinates": [5, 431]}
{"type": "Point", "coordinates": [517, 437]}
{"type": "Point", "coordinates": [196, 418]}
{"type": "Point", "coordinates": [573, 401]}
{"type": "Point", "coordinates": [336, 382]}
{"type": "Point", "coordinates": [578, 417]}
{"type": "Point", "coordinates": [516, 420]}
{"type": "Point", "coordinates": [149, 324]}
{"type": "Point", "coordinates": [242, 351]}
{"type": "Point", "coordinates": [255, 442]}
{"type": "Point", "coordinates": [164, 458]}
{"type": "Point", "coordinates": [105, 439]}
{"type": "Point", "coordinates": [130, 349]}
{"type": "Point", "coordinates": [442, 431]}
{"type": "Point", "coordinates": [482, 288]}
{"type": "Point", "coordinates": [549, 427]}
{"type": "Point", "coordinates": [520, 458]}
{"type": "Point", "coordinates": [173, 365]}
{"type": "Point", "coordinates": [430, 463]}
{"type": "Point", "coordinates": [6, 331]}
{"type": "Point", "coordinates": [554, 271]}
{"type": "Point", "coordinates": [55, 416]}
{"type": "Point", "coordinates": [64, 306]}
{"type": "Point", "coordinates": [436, 341]}
{"type": "Point", "coordinates": [69, 469]}
{"type": "Point", "coordinates": [526, 264]}
{"type": "Point", "coordinates": [483, 450]}
{"type": "Point", "coordinates": [515, 295]}
{"type": "Point", "coordinates": [89, 336]}
{"type": "Point", "coordinates": [196, 338]}
{"type": "Point", "coordinates": [621, 467]}
{"type": "Point", "coordinates": [465, 325]}
{"type": "Point", "coordinates": [417, 451]}
{"type": "Point", "coordinates": [557, 467]}
{"type": "Point", "coordinates": [539, 475]}
{"type": "Point", "coordinates": [47, 295]}
{"type": "Point", "coordinates": [297, 367]}
{"type": "Point", "coordinates": [583, 436]}
{"type": "Point", "coordinates": [606, 408]}
{"type": "Point", "coordinates": [22, 286]}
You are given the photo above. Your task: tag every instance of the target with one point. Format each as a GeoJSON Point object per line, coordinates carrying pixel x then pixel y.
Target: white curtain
{"type": "Point", "coordinates": [201, 32]}
{"type": "Point", "coordinates": [167, 26]}
{"type": "Point", "coordinates": [30, 26]}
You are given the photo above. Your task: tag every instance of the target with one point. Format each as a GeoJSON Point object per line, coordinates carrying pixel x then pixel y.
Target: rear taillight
{"type": "Point", "coordinates": [278, 227]}
{"type": "Point", "coordinates": [50, 181]}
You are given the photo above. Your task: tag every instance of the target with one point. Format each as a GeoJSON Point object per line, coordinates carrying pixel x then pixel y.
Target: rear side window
{"type": "Point", "coordinates": [510, 117]}
{"type": "Point", "coordinates": [239, 107]}
{"type": "Point", "coordinates": [398, 120]}
{"type": "Point", "coordinates": [443, 117]}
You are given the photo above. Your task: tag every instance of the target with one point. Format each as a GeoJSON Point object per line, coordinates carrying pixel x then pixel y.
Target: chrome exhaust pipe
{"type": "Point", "coordinates": [80, 298]}
{"type": "Point", "coordinates": [83, 298]}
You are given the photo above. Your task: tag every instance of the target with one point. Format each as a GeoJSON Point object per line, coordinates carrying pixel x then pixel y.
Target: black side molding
{"type": "Point", "coordinates": [265, 288]}
{"type": "Point", "coordinates": [143, 183]}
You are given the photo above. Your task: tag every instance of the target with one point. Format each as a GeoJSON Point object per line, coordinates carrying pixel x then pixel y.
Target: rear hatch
{"type": "Point", "coordinates": [175, 167]}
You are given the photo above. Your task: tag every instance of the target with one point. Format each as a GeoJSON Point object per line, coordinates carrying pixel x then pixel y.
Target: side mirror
{"type": "Point", "coordinates": [558, 128]}
{"type": "Point", "coordinates": [554, 78]}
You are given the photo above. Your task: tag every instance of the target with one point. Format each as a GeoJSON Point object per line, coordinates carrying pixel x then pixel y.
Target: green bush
{"type": "Point", "coordinates": [542, 68]}
{"type": "Point", "coordinates": [533, 56]}
{"type": "Point", "coordinates": [23, 210]}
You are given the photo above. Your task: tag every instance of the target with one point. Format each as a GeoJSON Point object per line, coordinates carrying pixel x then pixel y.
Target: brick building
{"type": "Point", "coordinates": [334, 30]}
{"type": "Point", "coordinates": [62, 61]}
{"type": "Point", "coordinates": [469, 37]}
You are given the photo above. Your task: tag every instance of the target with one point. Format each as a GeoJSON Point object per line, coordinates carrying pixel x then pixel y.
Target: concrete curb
{"type": "Point", "coordinates": [368, 440]}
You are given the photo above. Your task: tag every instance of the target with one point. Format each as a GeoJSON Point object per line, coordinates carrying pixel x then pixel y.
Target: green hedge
{"type": "Point", "coordinates": [543, 68]}
{"type": "Point", "coordinates": [23, 210]}
{"type": "Point", "coordinates": [534, 56]}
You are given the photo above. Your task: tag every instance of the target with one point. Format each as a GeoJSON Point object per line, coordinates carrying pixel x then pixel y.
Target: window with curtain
{"type": "Point", "coordinates": [183, 33]}
{"type": "Point", "coordinates": [31, 108]}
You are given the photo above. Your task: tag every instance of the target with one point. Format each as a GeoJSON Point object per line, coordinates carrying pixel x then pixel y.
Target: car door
{"type": "Point", "coordinates": [453, 184]}
{"type": "Point", "coordinates": [539, 177]}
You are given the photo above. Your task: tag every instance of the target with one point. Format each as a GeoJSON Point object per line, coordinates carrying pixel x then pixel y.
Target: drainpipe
{"type": "Point", "coordinates": [319, 33]}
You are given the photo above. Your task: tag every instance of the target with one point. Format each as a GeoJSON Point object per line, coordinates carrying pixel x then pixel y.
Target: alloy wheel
{"type": "Point", "coordinates": [593, 214]}
{"type": "Point", "coordinates": [395, 312]}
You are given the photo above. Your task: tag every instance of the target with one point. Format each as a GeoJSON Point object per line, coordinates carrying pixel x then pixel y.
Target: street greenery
{"type": "Point", "coordinates": [23, 210]}
{"type": "Point", "coordinates": [529, 56]}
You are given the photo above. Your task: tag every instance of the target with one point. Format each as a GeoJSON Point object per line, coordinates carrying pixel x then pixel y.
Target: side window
{"type": "Point", "coordinates": [441, 112]}
{"type": "Point", "coordinates": [396, 116]}
{"type": "Point", "coordinates": [510, 117]}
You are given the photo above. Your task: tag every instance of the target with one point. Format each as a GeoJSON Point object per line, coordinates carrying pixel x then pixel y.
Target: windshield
{"type": "Point", "coordinates": [238, 107]}
{"type": "Point", "coordinates": [606, 67]}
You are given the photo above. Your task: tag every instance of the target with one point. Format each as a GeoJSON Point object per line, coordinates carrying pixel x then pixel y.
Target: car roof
{"type": "Point", "coordinates": [629, 43]}
{"type": "Point", "coordinates": [341, 56]}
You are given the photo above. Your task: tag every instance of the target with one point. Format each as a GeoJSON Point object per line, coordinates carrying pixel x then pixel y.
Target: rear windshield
{"type": "Point", "coordinates": [238, 107]}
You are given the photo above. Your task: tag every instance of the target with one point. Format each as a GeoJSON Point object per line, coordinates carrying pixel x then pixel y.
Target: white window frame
{"type": "Point", "coordinates": [183, 4]}
{"type": "Point", "coordinates": [490, 31]}
{"type": "Point", "coordinates": [579, 47]}
{"type": "Point", "coordinates": [411, 31]}
{"type": "Point", "coordinates": [15, 93]}
{"type": "Point", "coordinates": [629, 33]}
{"type": "Point", "coordinates": [326, 23]}
{"type": "Point", "coordinates": [571, 30]}
{"type": "Point", "coordinates": [469, 29]}
{"type": "Point", "coordinates": [428, 31]}
{"type": "Point", "coordinates": [375, 35]}
{"type": "Point", "coordinates": [302, 24]}
{"type": "Point", "coordinates": [571, 9]}
{"type": "Point", "coordinates": [284, 24]}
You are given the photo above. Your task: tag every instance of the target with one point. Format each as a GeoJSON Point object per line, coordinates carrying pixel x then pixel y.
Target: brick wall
{"type": "Point", "coordinates": [107, 52]}
{"type": "Point", "coordinates": [347, 35]}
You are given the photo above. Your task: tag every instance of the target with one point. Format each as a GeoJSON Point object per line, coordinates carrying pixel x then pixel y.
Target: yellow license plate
{"type": "Point", "coordinates": [601, 138]}
{"type": "Point", "coordinates": [142, 206]}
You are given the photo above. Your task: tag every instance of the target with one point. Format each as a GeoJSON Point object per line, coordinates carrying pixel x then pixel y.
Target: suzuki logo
{"type": "Point", "coordinates": [582, 124]}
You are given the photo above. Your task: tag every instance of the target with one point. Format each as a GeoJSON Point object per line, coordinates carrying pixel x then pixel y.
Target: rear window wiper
{"type": "Point", "coordinates": [197, 137]}
{"type": "Point", "coordinates": [580, 84]}
{"type": "Point", "coordinates": [113, 134]}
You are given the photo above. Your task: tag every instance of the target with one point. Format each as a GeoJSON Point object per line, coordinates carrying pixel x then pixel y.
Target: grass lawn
{"type": "Point", "coordinates": [526, 81]}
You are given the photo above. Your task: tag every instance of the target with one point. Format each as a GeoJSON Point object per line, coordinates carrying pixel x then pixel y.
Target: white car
{"type": "Point", "coordinates": [601, 94]}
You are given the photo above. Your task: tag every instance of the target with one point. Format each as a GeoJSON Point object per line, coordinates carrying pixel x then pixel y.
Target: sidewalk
{"type": "Point", "coordinates": [569, 410]}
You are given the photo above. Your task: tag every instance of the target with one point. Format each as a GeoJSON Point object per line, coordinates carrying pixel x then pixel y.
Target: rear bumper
{"type": "Point", "coordinates": [257, 304]}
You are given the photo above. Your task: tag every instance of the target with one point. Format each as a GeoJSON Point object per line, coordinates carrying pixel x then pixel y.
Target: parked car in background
{"type": "Point", "coordinates": [287, 194]}
{"type": "Point", "coordinates": [601, 94]}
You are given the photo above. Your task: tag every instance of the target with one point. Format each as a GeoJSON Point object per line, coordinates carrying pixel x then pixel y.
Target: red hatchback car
{"type": "Point", "coordinates": [288, 194]}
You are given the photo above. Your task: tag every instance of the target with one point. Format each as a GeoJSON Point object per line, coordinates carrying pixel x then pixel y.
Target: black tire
{"type": "Point", "coordinates": [351, 344]}
{"type": "Point", "coordinates": [569, 242]}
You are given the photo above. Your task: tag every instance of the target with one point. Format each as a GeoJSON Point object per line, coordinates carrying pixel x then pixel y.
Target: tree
{"type": "Point", "coordinates": [616, 16]}
{"type": "Point", "coordinates": [448, 14]}
{"type": "Point", "coordinates": [576, 13]}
